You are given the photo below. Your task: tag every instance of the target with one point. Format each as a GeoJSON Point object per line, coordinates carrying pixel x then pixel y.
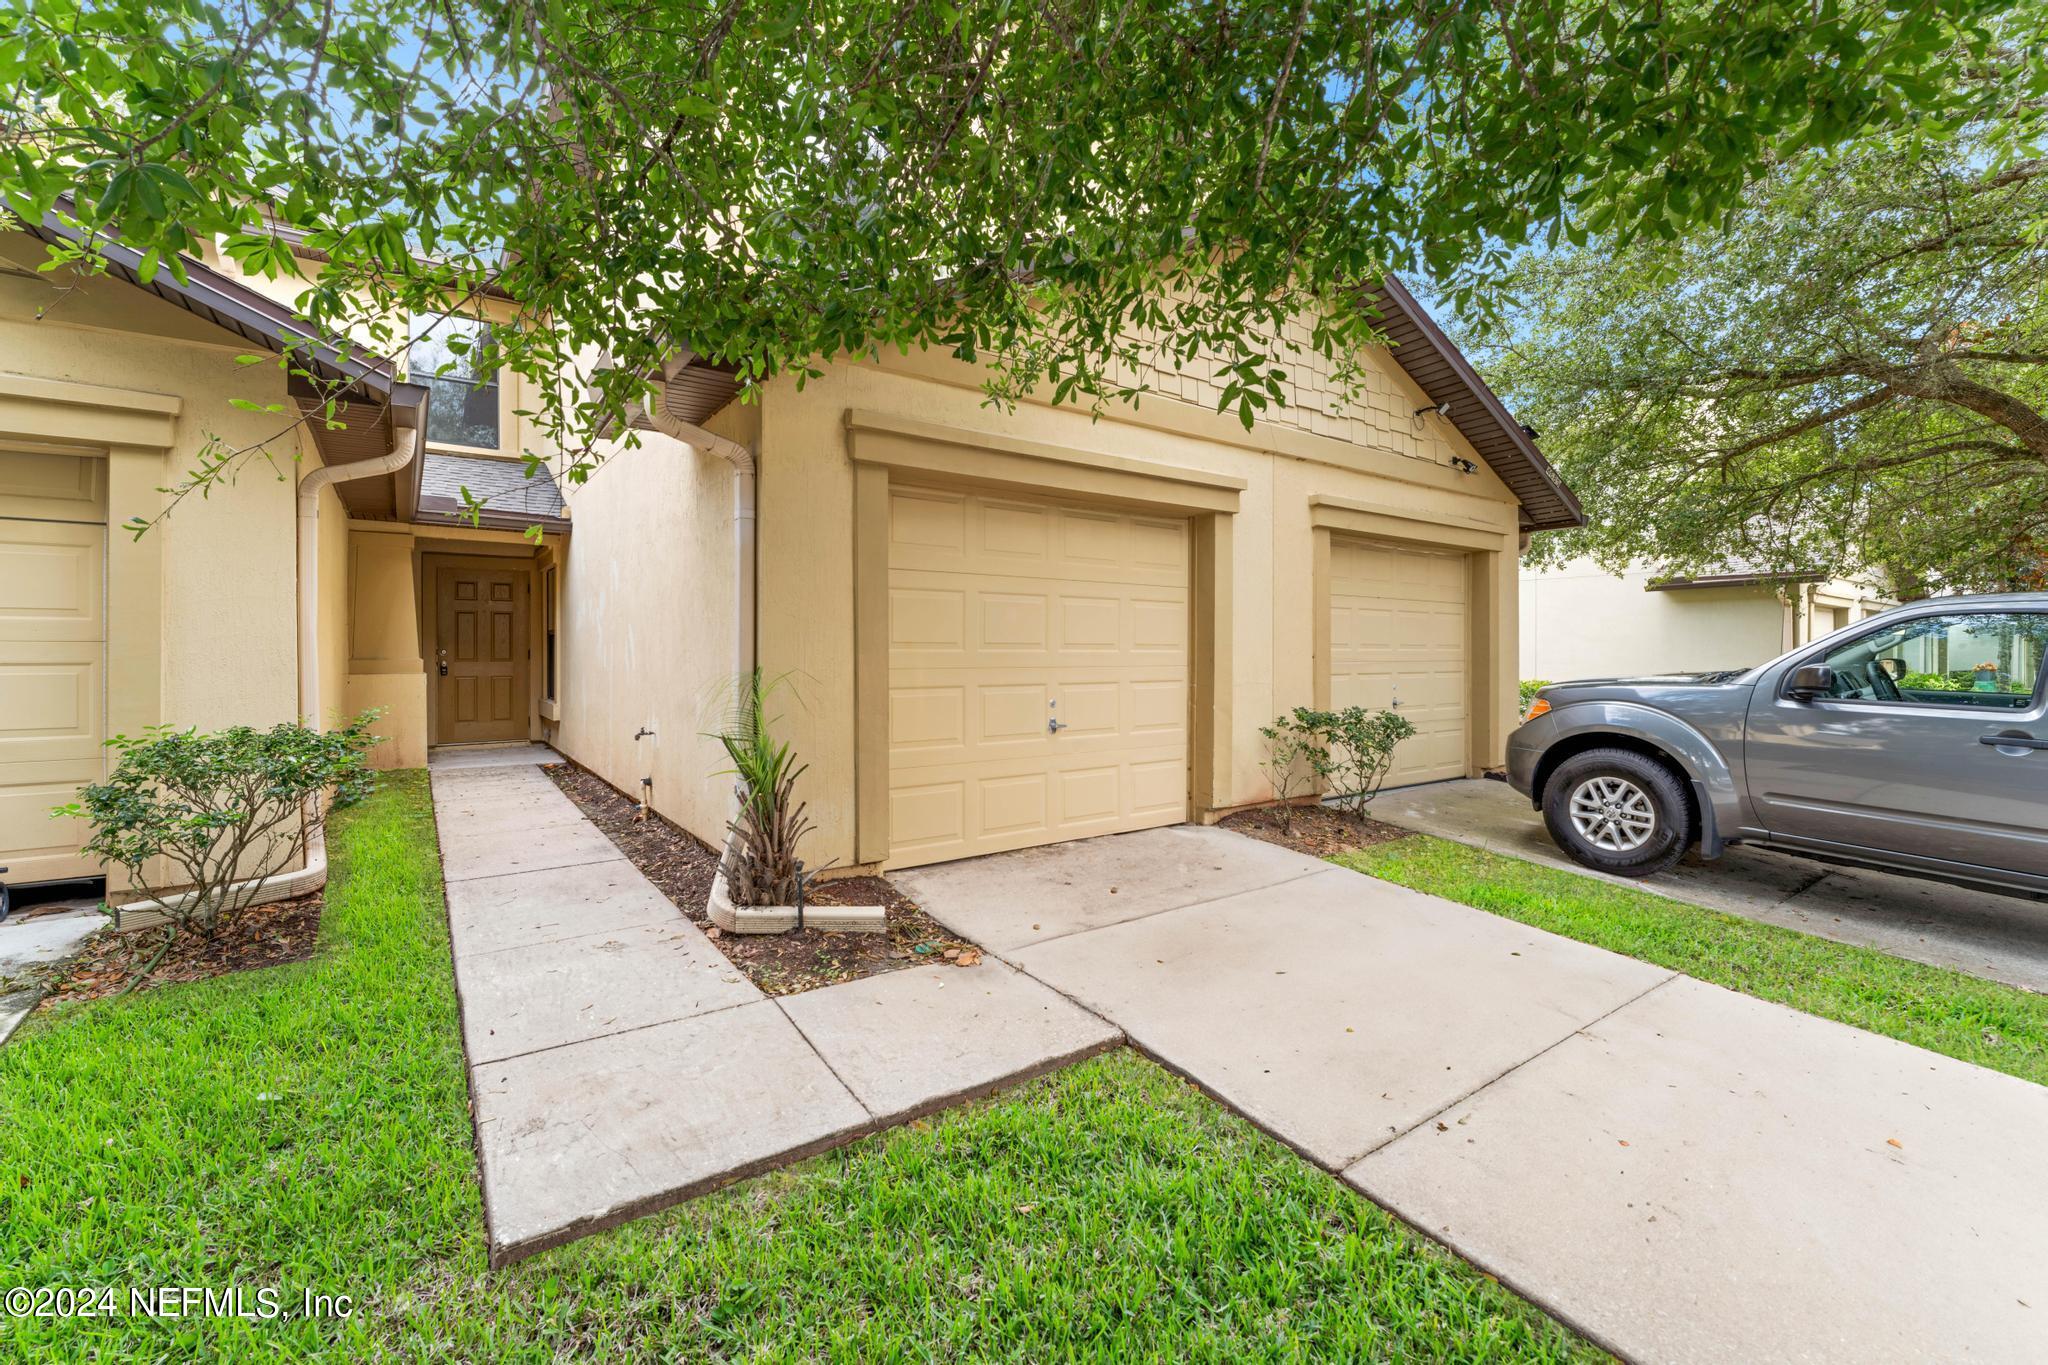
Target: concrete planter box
{"type": "Point", "coordinates": [780, 919]}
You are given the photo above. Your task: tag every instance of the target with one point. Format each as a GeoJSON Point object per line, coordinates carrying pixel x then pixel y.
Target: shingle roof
{"type": "Point", "coordinates": [510, 498]}
{"type": "Point", "coordinates": [1440, 370]}
{"type": "Point", "coordinates": [374, 405]}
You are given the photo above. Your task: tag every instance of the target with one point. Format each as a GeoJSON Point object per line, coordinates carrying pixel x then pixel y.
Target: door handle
{"type": "Point", "coordinates": [444, 663]}
{"type": "Point", "coordinates": [2013, 741]}
{"type": "Point", "coordinates": [1054, 726]}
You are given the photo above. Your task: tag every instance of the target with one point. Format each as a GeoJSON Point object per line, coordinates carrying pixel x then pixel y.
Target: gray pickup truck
{"type": "Point", "coordinates": [1913, 740]}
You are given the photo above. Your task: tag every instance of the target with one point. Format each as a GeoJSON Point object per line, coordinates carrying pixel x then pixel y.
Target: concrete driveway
{"type": "Point", "coordinates": [1681, 1172]}
{"type": "Point", "coordinates": [2000, 938]}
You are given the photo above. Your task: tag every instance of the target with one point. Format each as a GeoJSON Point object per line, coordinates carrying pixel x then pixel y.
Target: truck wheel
{"type": "Point", "coordinates": [1616, 811]}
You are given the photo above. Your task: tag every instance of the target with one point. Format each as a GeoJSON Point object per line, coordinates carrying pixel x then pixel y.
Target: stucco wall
{"type": "Point", "coordinates": [1580, 621]}
{"type": "Point", "coordinates": [646, 637]}
{"type": "Point", "coordinates": [381, 653]}
{"type": "Point", "coordinates": [226, 593]}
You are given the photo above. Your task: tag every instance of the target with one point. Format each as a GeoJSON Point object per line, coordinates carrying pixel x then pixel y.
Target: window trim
{"type": "Point", "coordinates": [1817, 651]}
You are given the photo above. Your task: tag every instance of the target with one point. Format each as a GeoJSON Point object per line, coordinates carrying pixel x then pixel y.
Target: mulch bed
{"type": "Point", "coordinates": [261, 936]}
{"type": "Point", "coordinates": [682, 866]}
{"type": "Point", "coordinates": [1317, 831]}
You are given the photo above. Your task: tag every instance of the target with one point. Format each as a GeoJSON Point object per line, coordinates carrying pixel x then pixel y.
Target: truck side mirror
{"type": "Point", "coordinates": [1810, 681]}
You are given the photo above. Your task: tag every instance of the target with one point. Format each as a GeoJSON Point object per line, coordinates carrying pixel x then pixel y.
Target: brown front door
{"type": "Point", "coordinates": [481, 659]}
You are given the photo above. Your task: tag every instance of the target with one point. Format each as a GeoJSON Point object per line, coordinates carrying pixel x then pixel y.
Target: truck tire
{"type": "Point", "coordinates": [1618, 811]}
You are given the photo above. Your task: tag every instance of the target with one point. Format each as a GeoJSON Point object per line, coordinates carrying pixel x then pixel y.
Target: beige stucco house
{"type": "Point", "coordinates": [1581, 621]}
{"type": "Point", "coordinates": [1000, 627]}
{"type": "Point", "coordinates": [1008, 628]}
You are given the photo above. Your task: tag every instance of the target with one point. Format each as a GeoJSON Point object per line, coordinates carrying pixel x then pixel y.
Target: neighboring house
{"type": "Point", "coordinates": [234, 609]}
{"type": "Point", "coordinates": [1580, 621]}
{"type": "Point", "coordinates": [1001, 628]}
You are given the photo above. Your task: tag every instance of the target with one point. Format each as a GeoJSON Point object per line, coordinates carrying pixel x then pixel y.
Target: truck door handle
{"type": "Point", "coordinates": [2013, 741]}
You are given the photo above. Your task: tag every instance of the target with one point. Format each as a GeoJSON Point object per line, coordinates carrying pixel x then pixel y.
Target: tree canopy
{"type": "Point", "coordinates": [1044, 187]}
{"type": "Point", "coordinates": [1851, 373]}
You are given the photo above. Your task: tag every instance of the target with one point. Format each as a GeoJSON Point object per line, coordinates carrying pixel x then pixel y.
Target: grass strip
{"type": "Point", "coordinates": [1943, 1010]}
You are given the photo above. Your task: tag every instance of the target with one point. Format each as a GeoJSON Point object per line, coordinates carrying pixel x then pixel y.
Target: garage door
{"type": "Point", "coordinates": [53, 549]}
{"type": "Point", "coordinates": [1399, 638]}
{"type": "Point", "coordinates": [1038, 673]}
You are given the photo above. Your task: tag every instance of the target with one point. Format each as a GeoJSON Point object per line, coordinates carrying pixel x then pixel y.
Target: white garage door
{"type": "Point", "coordinates": [53, 551]}
{"type": "Point", "coordinates": [1038, 673]}
{"type": "Point", "coordinates": [1399, 637]}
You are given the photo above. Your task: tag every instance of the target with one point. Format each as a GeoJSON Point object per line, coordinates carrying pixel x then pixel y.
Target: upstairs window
{"type": "Point", "coordinates": [464, 410]}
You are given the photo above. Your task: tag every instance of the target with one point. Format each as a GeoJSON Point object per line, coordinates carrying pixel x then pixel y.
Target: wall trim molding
{"type": "Point", "coordinates": [1379, 522]}
{"type": "Point", "coordinates": [992, 459]}
{"type": "Point", "coordinates": [90, 414]}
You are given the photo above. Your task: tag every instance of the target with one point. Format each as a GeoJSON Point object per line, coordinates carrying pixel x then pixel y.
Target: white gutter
{"type": "Point", "coordinates": [313, 876]}
{"type": "Point", "coordinates": [742, 460]}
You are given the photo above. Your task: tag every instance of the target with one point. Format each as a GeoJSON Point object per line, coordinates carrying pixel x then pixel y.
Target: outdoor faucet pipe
{"type": "Point", "coordinates": [313, 876]}
{"type": "Point", "coordinates": [742, 460]}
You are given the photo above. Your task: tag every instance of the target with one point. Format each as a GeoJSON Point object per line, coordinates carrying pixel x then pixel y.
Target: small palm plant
{"type": "Point", "coordinates": [761, 864]}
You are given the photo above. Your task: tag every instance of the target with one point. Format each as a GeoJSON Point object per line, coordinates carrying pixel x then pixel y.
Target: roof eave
{"type": "Point", "coordinates": [1548, 505]}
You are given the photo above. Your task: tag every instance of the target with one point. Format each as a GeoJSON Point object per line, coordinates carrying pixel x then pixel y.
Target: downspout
{"type": "Point", "coordinates": [313, 876]}
{"type": "Point", "coordinates": [742, 460]}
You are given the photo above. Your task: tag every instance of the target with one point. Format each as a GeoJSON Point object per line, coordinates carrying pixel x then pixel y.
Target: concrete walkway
{"type": "Point", "coordinates": [619, 1063]}
{"type": "Point", "coordinates": [2000, 938]}
{"type": "Point", "coordinates": [30, 943]}
{"type": "Point", "coordinates": [1681, 1172]}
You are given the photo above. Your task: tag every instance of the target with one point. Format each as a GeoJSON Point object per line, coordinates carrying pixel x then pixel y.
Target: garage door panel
{"type": "Point", "coordinates": [52, 661]}
{"type": "Point", "coordinates": [927, 815]}
{"type": "Point", "coordinates": [1158, 788]}
{"type": "Point", "coordinates": [50, 703]}
{"type": "Point", "coordinates": [927, 620]}
{"type": "Point", "coordinates": [1399, 636]}
{"type": "Point", "coordinates": [936, 723]}
{"type": "Point", "coordinates": [936, 531]}
{"type": "Point", "coordinates": [1090, 625]}
{"type": "Point", "coordinates": [988, 807]}
{"type": "Point", "coordinates": [1088, 794]}
{"type": "Point", "coordinates": [1006, 614]}
{"type": "Point", "coordinates": [1012, 531]}
{"type": "Point", "coordinates": [1012, 621]}
{"type": "Point", "coordinates": [1012, 713]}
{"type": "Point", "coordinates": [1159, 708]}
{"type": "Point", "coordinates": [52, 584]}
{"type": "Point", "coordinates": [966, 621]}
{"type": "Point", "coordinates": [927, 527]}
{"type": "Point", "coordinates": [36, 847]}
{"type": "Point", "coordinates": [1013, 804]}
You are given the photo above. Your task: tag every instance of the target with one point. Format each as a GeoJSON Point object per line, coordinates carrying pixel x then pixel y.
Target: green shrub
{"type": "Point", "coordinates": [1349, 751]}
{"type": "Point", "coordinates": [1529, 688]}
{"type": "Point", "coordinates": [210, 814]}
{"type": "Point", "coordinates": [1295, 758]}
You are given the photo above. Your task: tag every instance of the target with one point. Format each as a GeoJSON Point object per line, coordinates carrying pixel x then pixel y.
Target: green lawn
{"type": "Point", "coordinates": [306, 1127]}
{"type": "Point", "coordinates": [1996, 1026]}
